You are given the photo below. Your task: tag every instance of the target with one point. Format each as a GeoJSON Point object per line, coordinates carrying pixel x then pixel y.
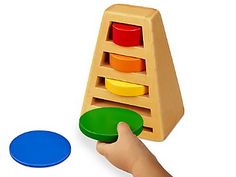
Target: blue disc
{"type": "Point", "coordinates": [40, 148]}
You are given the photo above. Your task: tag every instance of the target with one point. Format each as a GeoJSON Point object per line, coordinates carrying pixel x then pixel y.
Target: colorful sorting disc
{"type": "Point", "coordinates": [126, 35]}
{"type": "Point", "coordinates": [125, 63]}
{"type": "Point", "coordinates": [40, 148]}
{"type": "Point", "coordinates": [101, 123]}
{"type": "Point", "coordinates": [125, 88]}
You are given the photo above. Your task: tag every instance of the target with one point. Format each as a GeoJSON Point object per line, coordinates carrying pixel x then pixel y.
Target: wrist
{"type": "Point", "coordinates": [150, 167]}
{"type": "Point", "coordinates": [148, 164]}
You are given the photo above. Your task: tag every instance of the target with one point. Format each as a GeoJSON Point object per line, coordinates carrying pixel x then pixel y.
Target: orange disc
{"type": "Point", "coordinates": [126, 64]}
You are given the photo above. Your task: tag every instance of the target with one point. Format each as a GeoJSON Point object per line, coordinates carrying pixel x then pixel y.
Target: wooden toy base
{"type": "Point", "coordinates": [162, 107]}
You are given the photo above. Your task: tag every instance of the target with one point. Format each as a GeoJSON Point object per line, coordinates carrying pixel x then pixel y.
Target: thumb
{"type": "Point", "coordinates": [124, 129]}
{"type": "Point", "coordinates": [102, 148]}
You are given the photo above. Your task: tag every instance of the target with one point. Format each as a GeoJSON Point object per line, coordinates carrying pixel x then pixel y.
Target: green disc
{"type": "Point", "coordinates": [101, 123]}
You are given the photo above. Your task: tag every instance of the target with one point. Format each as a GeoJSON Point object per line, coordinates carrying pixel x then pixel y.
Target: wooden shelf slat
{"type": "Point", "coordinates": [139, 101]}
{"type": "Point", "coordinates": [136, 78]}
{"type": "Point", "coordinates": [142, 102]}
{"type": "Point", "coordinates": [109, 46]}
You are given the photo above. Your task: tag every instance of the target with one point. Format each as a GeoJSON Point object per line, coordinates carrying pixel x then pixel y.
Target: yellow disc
{"type": "Point", "coordinates": [125, 88]}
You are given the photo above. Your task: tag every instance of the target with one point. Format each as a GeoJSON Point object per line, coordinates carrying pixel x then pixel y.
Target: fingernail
{"type": "Point", "coordinates": [120, 123]}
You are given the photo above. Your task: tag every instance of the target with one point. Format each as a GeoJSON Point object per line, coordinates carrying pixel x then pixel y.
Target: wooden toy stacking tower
{"type": "Point", "coordinates": [160, 105]}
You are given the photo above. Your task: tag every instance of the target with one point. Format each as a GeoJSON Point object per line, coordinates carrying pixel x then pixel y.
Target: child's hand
{"type": "Point", "coordinates": [125, 151]}
{"type": "Point", "coordinates": [129, 154]}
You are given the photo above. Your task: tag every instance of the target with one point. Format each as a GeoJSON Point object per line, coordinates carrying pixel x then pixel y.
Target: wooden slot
{"type": "Point", "coordinates": [100, 82]}
{"type": "Point", "coordinates": [98, 102]}
{"type": "Point", "coordinates": [105, 59]}
{"type": "Point", "coordinates": [148, 129]}
{"type": "Point", "coordinates": [109, 33]}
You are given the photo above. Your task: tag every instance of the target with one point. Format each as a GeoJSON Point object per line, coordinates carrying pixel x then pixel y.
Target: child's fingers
{"type": "Point", "coordinates": [123, 129]}
{"type": "Point", "coordinates": [102, 148]}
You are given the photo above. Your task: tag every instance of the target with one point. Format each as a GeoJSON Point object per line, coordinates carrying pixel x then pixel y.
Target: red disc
{"type": "Point", "coordinates": [126, 35]}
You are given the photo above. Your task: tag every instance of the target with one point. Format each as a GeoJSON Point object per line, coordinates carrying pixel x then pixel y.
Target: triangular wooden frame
{"type": "Point", "coordinates": [162, 108]}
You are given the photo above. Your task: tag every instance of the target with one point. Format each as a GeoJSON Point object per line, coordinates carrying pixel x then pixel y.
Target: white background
{"type": "Point", "coordinates": [46, 49]}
